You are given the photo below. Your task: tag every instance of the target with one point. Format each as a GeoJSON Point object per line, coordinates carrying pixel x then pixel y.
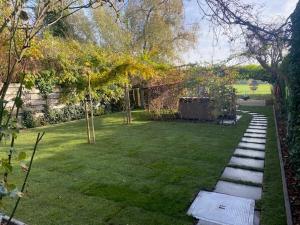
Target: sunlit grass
{"type": "Point", "coordinates": [244, 89]}
{"type": "Point", "coordinates": [147, 173]}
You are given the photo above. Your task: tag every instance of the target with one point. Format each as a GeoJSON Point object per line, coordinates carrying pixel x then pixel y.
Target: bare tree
{"type": "Point", "coordinates": [265, 41]}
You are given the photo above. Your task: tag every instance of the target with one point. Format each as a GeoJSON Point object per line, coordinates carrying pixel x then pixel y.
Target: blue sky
{"type": "Point", "coordinates": [205, 50]}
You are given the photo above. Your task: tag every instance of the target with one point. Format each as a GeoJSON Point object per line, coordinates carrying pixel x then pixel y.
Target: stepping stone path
{"type": "Point", "coordinates": [240, 182]}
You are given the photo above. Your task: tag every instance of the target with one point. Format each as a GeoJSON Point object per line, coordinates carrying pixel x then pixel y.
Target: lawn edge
{"type": "Point", "coordinates": [283, 178]}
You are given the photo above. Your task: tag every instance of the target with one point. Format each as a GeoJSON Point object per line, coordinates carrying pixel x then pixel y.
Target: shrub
{"type": "Point", "coordinates": [65, 114]}
{"type": "Point", "coordinates": [28, 118]}
{"type": "Point", "coordinates": [294, 91]}
{"type": "Point", "coordinates": [59, 115]}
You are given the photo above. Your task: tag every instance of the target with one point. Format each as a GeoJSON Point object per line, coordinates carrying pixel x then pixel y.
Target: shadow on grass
{"type": "Point", "coordinates": [155, 167]}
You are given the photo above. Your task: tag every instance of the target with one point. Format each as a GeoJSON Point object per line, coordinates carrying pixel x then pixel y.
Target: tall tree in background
{"type": "Point", "coordinates": [146, 27]}
{"type": "Point", "coordinates": [158, 25]}
{"type": "Point", "coordinates": [264, 41]}
{"type": "Point", "coordinates": [21, 22]}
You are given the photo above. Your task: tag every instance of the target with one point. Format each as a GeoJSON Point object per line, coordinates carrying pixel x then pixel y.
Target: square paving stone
{"type": "Point", "coordinates": [243, 175]}
{"type": "Point", "coordinates": [253, 113]}
{"type": "Point", "coordinates": [257, 131]}
{"type": "Point", "coordinates": [260, 147]}
{"type": "Point", "coordinates": [257, 127]}
{"type": "Point", "coordinates": [212, 208]}
{"type": "Point", "coordinates": [250, 153]}
{"type": "Point", "coordinates": [254, 140]}
{"type": "Point", "coordinates": [252, 163]}
{"type": "Point", "coordinates": [253, 135]}
{"type": "Point", "coordinates": [239, 190]}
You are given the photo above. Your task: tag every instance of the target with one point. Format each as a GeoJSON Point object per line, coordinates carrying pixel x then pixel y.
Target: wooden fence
{"type": "Point", "coordinates": [33, 99]}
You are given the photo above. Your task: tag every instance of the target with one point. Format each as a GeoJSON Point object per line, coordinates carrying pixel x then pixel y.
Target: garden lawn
{"type": "Point", "coordinates": [263, 91]}
{"type": "Point", "coordinates": [147, 173]}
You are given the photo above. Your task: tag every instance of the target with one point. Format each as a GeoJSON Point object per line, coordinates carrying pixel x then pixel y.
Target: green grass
{"type": "Point", "coordinates": [147, 173]}
{"type": "Point", "coordinates": [272, 203]}
{"type": "Point", "coordinates": [263, 91]}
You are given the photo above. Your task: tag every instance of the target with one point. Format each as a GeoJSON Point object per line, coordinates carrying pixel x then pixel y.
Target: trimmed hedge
{"type": "Point", "coordinates": [294, 91]}
{"type": "Point", "coordinates": [54, 116]}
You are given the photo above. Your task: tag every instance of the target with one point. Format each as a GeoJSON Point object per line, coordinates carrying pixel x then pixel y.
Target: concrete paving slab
{"type": "Point", "coordinates": [258, 124]}
{"type": "Point", "coordinates": [256, 146]}
{"type": "Point", "coordinates": [220, 209]}
{"type": "Point", "coordinates": [252, 163]}
{"type": "Point", "coordinates": [257, 127]}
{"type": "Point", "coordinates": [259, 117]}
{"type": "Point", "coordinates": [254, 135]}
{"type": "Point", "coordinates": [253, 113]}
{"type": "Point", "coordinates": [243, 175]}
{"type": "Point", "coordinates": [250, 153]}
{"type": "Point", "coordinates": [239, 190]}
{"type": "Point", "coordinates": [254, 140]}
{"type": "Point", "coordinates": [259, 120]}
{"type": "Point", "coordinates": [257, 131]}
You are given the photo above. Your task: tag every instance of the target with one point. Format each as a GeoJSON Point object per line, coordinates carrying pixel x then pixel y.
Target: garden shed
{"type": "Point", "coordinates": [196, 108]}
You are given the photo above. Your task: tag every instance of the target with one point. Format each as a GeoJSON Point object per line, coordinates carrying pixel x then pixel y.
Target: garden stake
{"type": "Point", "coordinates": [92, 113]}
{"type": "Point", "coordinates": [87, 121]}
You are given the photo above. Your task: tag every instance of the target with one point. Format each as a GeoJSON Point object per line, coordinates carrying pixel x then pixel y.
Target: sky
{"type": "Point", "coordinates": [206, 50]}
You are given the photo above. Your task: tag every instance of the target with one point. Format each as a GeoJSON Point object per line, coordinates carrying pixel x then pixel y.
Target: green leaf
{"type": "Point", "coordinates": [21, 156]}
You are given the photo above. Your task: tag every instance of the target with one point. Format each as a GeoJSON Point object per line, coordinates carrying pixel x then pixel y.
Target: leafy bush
{"type": "Point", "coordinates": [65, 114]}
{"type": "Point", "coordinates": [294, 91]}
{"type": "Point", "coordinates": [59, 115]}
{"type": "Point", "coordinates": [28, 119]}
